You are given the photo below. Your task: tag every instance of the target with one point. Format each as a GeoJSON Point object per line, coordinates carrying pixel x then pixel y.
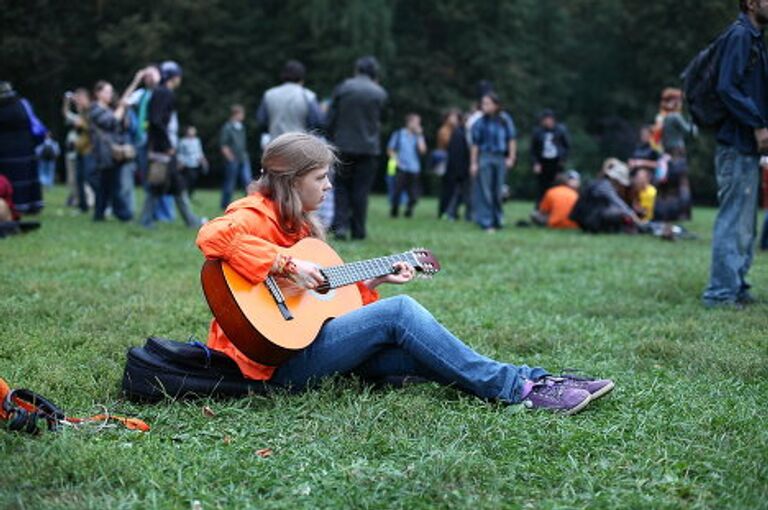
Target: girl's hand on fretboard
{"type": "Point", "coordinates": [403, 273]}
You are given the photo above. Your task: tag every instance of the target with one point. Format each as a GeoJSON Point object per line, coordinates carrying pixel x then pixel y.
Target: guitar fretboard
{"type": "Point", "coordinates": [346, 274]}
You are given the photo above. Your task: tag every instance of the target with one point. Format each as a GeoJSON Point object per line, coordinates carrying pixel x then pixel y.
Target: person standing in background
{"type": "Point", "coordinates": [234, 148]}
{"type": "Point", "coordinates": [47, 154]}
{"type": "Point", "coordinates": [493, 152]}
{"type": "Point", "coordinates": [451, 122]}
{"type": "Point", "coordinates": [70, 167]}
{"type": "Point", "coordinates": [741, 139]}
{"type": "Point", "coordinates": [139, 100]}
{"type": "Point", "coordinates": [549, 151]}
{"type": "Point", "coordinates": [86, 178]}
{"type": "Point", "coordinates": [457, 184]}
{"type": "Point", "coordinates": [406, 145]}
{"type": "Point", "coordinates": [163, 140]}
{"type": "Point", "coordinates": [674, 187]}
{"type": "Point", "coordinates": [20, 132]}
{"type": "Point", "coordinates": [192, 161]}
{"type": "Point", "coordinates": [290, 106]}
{"type": "Point", "coordinates": [354, 125]}
{"type": "Point", "coordinates": [109, 129]}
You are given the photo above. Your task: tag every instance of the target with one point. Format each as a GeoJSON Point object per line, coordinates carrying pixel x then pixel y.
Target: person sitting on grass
{"type": "Point", "coordinates": [387, 337]}
{"type": "Point", "coordinates": [643, 194]}
{"type": "Point", "coordinates": [600, 207]}
{"type": "Point", "coordinates": [556, 205]}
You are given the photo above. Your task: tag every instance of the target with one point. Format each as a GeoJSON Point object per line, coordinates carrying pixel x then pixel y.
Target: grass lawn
{"type": "Point", "coordinates": [684, 428]}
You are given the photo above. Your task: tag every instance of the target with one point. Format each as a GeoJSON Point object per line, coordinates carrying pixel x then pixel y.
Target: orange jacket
{"type": "Point", "coordinates": [249, 237]}
{"type": "Point", "coordinates": [558, 203]}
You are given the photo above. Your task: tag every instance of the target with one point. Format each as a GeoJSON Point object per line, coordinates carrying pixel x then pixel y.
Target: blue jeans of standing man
{"type": "Point", "coordinates": [235, 172]}
{"type": "Point", "coordinates": [399, 337]}
{"type": "Point", "coordinates": [488, 190]}
{"type": "Point", "coordinates": [733, 240]}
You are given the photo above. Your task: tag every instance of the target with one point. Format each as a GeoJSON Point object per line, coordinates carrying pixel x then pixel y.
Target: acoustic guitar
{"type": "Point", "coordinates": [273, 320]}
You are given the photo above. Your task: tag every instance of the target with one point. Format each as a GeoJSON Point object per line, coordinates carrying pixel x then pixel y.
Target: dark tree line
{"type": "Point", "coordinates": [599, 63]}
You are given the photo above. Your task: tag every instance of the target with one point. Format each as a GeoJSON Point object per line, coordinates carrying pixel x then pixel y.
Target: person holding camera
{"type": "Point", "coordinates": [114, 154]}
{"type": "Point", "coordinates": [75, 109]}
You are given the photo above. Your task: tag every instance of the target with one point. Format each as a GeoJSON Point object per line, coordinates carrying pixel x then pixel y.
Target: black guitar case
{"type": "Point", "coordinates": [167, 369]}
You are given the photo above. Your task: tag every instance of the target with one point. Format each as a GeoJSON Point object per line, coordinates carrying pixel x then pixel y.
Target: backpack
{"type": "Point", "coordinates": [700, 83]}
{"type": "Point", "coordinates": [167, 369]}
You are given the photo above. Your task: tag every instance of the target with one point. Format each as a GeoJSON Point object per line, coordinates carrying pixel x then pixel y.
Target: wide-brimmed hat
{"type": "Point", "coordinates": [616, 170]}
{"type": "Point", "coordinates": [6, 90]}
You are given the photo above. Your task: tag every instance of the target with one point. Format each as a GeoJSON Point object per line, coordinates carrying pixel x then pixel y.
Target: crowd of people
{"type": "Point", "coordinates": [116, 140]}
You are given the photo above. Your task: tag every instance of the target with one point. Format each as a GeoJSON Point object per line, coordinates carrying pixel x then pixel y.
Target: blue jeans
{"type": "Point", "coordinates": [488, 189]}
{"type": "Point", "coordinates": [733, 240]}
{"type": "Point", "coordinates": [46, 172]}
{"type": "Point", "coordinates": [234, 172]}
{"type": "Point", "coordinates": [163, 207]}
{"type": "Point", "coordinates": [399, 337]}
{"type": "Point", "coordinates": [391, 181]}
{"type": "Point", "coordinates": [110, 192]}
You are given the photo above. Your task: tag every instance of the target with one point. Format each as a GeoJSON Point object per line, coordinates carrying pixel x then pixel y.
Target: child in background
{"type": "Point", "coordinates": [644, 194]}
{"type": "Point", "coordinates": [191, 158]}
{"type": "Point", "coordinates": [405, 146]}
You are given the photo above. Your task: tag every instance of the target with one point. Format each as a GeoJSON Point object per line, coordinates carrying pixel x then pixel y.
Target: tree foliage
{"type": "Point", "coordinates": [599, 63]}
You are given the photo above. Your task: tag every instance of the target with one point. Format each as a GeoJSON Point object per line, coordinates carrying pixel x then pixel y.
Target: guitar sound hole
{"type": "Point", "coordinates": [323, 289]}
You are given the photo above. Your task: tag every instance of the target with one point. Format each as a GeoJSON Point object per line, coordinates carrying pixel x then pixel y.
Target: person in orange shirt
{"type": "Point", "coordinates": [387, 337]}
{"type": "Point", "coordinates": [557, 203]}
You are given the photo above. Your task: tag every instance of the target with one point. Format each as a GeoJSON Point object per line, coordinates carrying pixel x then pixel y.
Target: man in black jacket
{"type": "Point", "coordinates": [354, 125]}
{"type": "Point", "coordinates": [163, 139]}
{"type": "Point", "coordinates": [549, 151]}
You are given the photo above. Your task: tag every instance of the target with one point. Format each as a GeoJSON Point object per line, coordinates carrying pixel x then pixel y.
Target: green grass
{"type": "Point", "coordinates": [685, 427]}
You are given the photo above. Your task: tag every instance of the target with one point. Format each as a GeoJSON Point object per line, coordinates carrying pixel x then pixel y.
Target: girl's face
{"type": "Point", "coordinates": [105, 94]}
{"type": "Point", "coordinates": [312, 188]}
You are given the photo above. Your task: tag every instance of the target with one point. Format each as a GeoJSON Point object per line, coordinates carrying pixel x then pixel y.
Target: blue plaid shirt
{"type": "Point", "coordinates": [493, 134]}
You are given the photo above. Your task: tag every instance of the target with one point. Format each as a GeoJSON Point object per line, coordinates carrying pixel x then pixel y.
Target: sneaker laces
{"type": "Point", "coordinates": [549, 388]}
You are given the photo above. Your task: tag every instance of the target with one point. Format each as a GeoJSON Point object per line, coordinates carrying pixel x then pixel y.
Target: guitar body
{"type": "Point", "coordinates": [250, 318]}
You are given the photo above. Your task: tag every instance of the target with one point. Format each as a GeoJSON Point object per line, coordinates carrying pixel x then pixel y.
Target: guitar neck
{"type": "Point", "coordinates": [346, 274]}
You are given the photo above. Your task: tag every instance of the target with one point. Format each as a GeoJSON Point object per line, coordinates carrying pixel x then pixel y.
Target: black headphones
{"type": "Point", "coordinates": [19, 419]}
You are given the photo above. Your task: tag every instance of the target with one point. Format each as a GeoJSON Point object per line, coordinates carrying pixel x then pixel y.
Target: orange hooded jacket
{"type": "Point", "coordinates": [249, 237]}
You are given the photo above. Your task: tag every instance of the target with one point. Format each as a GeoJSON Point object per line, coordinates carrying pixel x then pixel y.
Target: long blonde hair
{"type": "Point", "coordinates": [286, 159]}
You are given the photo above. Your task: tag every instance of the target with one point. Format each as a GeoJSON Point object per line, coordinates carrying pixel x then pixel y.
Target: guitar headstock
{"type": "Point", "coordinates": [424, 262]}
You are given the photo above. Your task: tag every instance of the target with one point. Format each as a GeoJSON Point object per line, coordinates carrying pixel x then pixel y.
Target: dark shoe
{"type": "Point", "coordinates": [746, 298]}
{"type": "Point", "coordinates": [409, 213]}
{"type": "Point", "coordinates": [556, 396]}
{"type": "Point", "coordinates": [340, 235]}
{"type": "Point", "coordinates": [596, 387]}
{"type": "Point", "coordinates": [394, 213]}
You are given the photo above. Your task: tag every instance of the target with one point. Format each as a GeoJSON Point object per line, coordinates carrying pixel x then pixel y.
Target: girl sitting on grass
{"type": "Point", "coordinates": [394, 337]}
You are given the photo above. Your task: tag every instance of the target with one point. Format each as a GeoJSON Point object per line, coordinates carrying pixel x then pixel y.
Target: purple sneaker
{"type": "Point", "coordinates": [596, 387]}
{"type": "Point", "coordinates": [555, 395]}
